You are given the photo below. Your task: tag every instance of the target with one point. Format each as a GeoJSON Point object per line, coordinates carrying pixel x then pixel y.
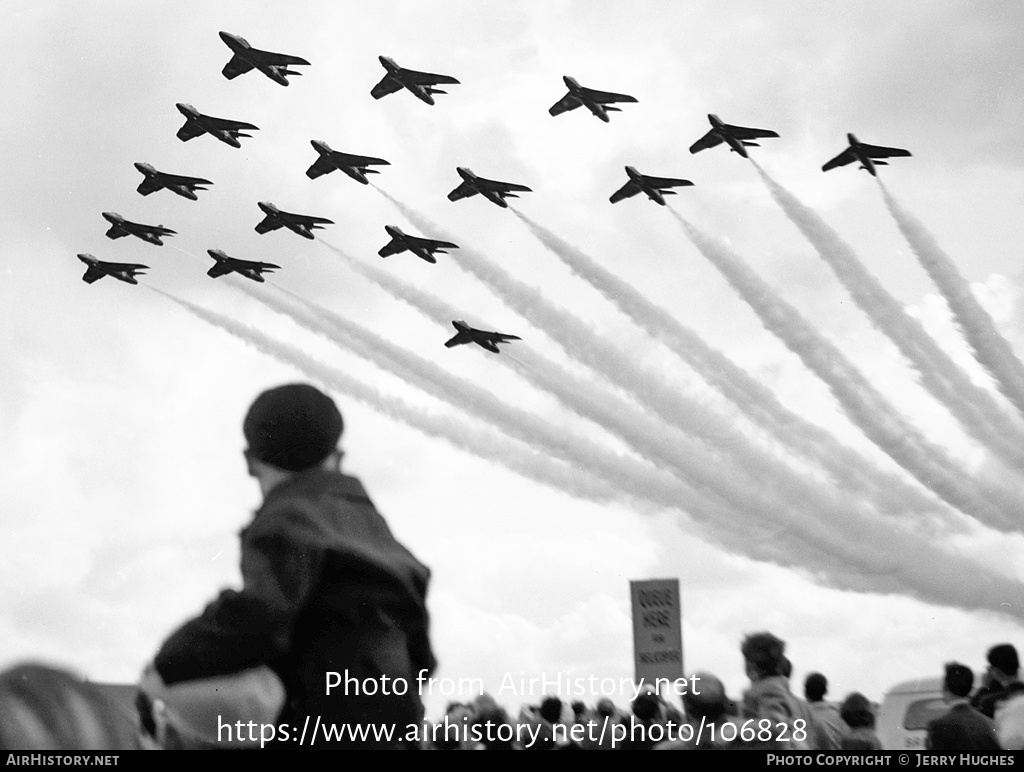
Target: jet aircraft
{"type": "Point", "coordinates": [97, 269]}
{"type": "Point", "coordinates": [225, 130]}
{"type": "Point", "coordinates": [121, 227]}
{"type": "Point", "coordinates": [303, 224]}
{"type": "Point", "coordinates": [421, 84]}
{"type": "Point", "coordinates": [250, 269]}
{"type": "Point", "coordinates": [595, 101]}
{"type": "Point", "coordinates": [488, 340]}
{"type": "Point", "coordinates": [493, 191]}
{"type": "Point", "coordinates": [353, 165]}
{"type": "Point", "coordinates": [245, 58]}
{"type": "Point", "coordinates": [421, 247]}
{"type": "Point", "coordinates": [651, 186]}
{"type": "Point", "coordinates": [737, 137]}
{"type": "Point", "coordinates": [865, 154]}
{"type": "Point", "coordinates": [176, 183]}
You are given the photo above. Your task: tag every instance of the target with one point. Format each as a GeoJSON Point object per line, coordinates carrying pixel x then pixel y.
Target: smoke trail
{"type": "Point", "coordinates": [868, 409]}
{"type": "Point", "coordinates": [848, 469]}
{"type": "Point", "coordinates": [973, 407]}
{"type": "Point", "coordinates": [991, 350]}
{"type": "Point", "coordinates": [485, 444]}
{"type": "Point", "coordinates": [916, 568]}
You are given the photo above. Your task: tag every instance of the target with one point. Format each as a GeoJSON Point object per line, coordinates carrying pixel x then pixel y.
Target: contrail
{"type": "Point", "coordinates": [914, 567]}
{"type": "Point", "coordinates": [485, 443]}
{"type": "Point", "coordinates": [990, 348]}
{"type": "Point", "coordinates": [664, 400]}
{"type": "Point", "coordinates": [847, 468]}
{"type": "Point", "coordinates": [975, 409]}
{"type": "Point", "coordinates": [868, 409]}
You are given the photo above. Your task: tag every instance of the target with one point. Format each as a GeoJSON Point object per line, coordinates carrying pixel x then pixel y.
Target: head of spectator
{"type": "Point", "coordinates": [289, 429]}
{"type": "Point", "coordinates": [815, 687]}
{"type": "Point", "coordinates": [764, 655]}
{"type": "Point", "coordinates": [707, 701]}
{"type": "Point", "coordinates": [1003, 663]}
{"type": "Point", "coordinates": [646, 706]}
{"type": "Point", "coordinates": [551, 709]}
{"type": "Point", "coordinates": [605, 708]}
{"type": "Point", "coordinates": [45, 708]}
{"type": "Point", "coordinates": [579, 710]}
{"type": "Point", "coordinates": [958, 681]}
{"type": "Point", "coordinates": [856, 711]}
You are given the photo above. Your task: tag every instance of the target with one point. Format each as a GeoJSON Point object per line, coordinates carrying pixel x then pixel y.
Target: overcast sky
{"type": "Point", "coordinates": [121, 411]}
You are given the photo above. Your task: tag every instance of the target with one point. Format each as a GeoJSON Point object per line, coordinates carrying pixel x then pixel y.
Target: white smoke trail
{"type": "Point", "coordinates": [862, 403]}
{"type": "Point", "coordinates": [909, 568]}
{"type": "Point", "coordinates": [990, 348]}
{"type": "Point", "coordinates": [974, 408]}
{"type": "Point", "coordinates": [916, 567]}
{"type": "Point", "coordinates": [847, 468]}
{"type": "Point", "coordinates": [484, 443]}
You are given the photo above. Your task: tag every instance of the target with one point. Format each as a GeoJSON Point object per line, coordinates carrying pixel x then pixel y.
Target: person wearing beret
{"type": "Point", "coordinates": [329, 596]}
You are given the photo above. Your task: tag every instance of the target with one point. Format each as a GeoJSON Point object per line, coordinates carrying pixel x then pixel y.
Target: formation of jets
{"type": "Point", "coordinates": [494, 191]}
{"type": "Point", "coordinates": [121, 227]}
{"type": "Point", "coordinates": [866, 155]}
{"type": "Point", "coordinates": [197, 124]}
{"type": "Point", "coordinates": [176, 183]}
{"type": "Point", "coordinates": [598, 102]}
{"type": "Point", "coordinates": [224, 264]}
{"type": "Point", "coordinates": [355, 166]}
{"type": "Point", "coordinates": [97, 269]}
{"type": "Point", "coordinates": [739, 138]}
{"type": "Point", "coordinates": [488, 340]}
{"type": "Point", "coordinates": [303, 224]}
{"type": "Point", "coordinates": [421, 84]}
{"type": "Point", "coordinates": [419, 246]}
{"type": "Point", "coordinates": [655, 188]}
{"type": "Point", "coordinates": [245, 58]}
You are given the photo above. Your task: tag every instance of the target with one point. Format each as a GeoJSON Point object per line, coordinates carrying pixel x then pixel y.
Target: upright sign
{"type": "Point", "coordinates": [657, 630]}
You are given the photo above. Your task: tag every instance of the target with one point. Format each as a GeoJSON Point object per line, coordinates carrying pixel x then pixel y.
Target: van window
{"type": "Point", "coordinates": [920, 712]}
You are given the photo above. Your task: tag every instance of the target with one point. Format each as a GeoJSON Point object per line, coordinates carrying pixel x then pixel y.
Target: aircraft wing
{"type": "Point", "coordinates": [459, 339]}
{"type": "Point", "coordinates": [116, 232]}
{"type": "Point", "coordinates": [190, 131]}
{"type": "Point", "coordinates": [180, 179]}
{"type": "Point", "coordinates": [465, 190]}
{"type": "Point", "coordinates": [428, 78]}
{"type": "Point", "coordinates": [629, 189]}
{"type": "Point", "coordinates": [309, 220]}
{"type": "Point", "coordinates": [666, 182]}
{"type": "Point", "coordinates": [320, 167]}
{"type": "Point", "coordinates": [744, 132]}
{"type": "Point", "coordinates": [846, 157]}
{"type": "Point", "coordinates": [431, 243]}
{"type": "Point", "coordinates": [500, 337]}
{"type": "Point", "coordinates": [503, 187]}
{"type": "Point", "coordinates": [565, 104]}
{"type": "Point", "coordinates": [220, 269]}
{"type": "Point", "coordinates": [387, 85]}
{"type": "Point", "coordinates": [237, 66]}
{"type": "Point", "coordinates": [225, 124]}
{"type": "Point", "coordinates": [393, 247]}
{"type": "Point", "coordinates": [604, 97]}
{"type": "Point", "coordinates": [710, 139]}
{"type": "Point", "coordinates": [361, 160]}
{"type": "Point", "coordinates": [268, 224]}
{"type": "Point", "coordinates": [875, 151]}
{"type": "Point", "coordinates": [93, 273]}
{"type": "Point", "coordinates": [148, 185]}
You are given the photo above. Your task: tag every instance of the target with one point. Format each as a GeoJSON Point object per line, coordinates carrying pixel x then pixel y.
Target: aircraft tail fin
{"type": "Point", "coordinates": [611, 109]}
{"type": "Point", "coordinates": [747, 143]}
{"type": "Point", "coordinates": [881, 163]}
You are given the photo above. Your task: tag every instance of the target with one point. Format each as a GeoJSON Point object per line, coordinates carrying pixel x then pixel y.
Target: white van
{"type": "Point", "coordinates": [906, 709]}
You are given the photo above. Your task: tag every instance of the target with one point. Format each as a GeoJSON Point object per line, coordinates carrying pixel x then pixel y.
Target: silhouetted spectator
{"type": "Point", "coordinates": [961, 728]}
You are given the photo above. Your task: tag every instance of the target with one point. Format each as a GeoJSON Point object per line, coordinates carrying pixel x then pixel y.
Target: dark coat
{"type": "Point", "coordinates": [962, 728]}
{"type": "Point", "coordinates": [326, 589]}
